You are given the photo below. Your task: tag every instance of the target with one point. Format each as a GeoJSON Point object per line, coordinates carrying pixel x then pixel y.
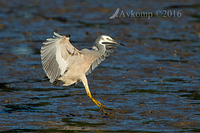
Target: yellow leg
{"type": "Point", "coordinates": [101, 106]}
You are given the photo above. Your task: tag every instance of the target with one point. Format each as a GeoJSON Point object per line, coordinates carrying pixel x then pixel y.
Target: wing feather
{"type": "Point", "coordinates": [109, 49]}
{"type": "Point", "coordinates": [57, 54]}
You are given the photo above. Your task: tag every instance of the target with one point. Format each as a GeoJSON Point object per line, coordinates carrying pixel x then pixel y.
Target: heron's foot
{"type": "Point", "coordinates": [101, 106]}
{"type": "Point", "coordinates": [104, 112]}
{"type": "Point", "coordinates": [108, 112]}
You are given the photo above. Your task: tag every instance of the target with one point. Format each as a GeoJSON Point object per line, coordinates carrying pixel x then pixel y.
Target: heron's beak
{"type": "Point", "coordinates": [113, 41]}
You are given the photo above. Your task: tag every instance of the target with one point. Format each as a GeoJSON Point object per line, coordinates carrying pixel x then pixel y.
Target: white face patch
{"type": "Point", "coordinates": [105, 38]}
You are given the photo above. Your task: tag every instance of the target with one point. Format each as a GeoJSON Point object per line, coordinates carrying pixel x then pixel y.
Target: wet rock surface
{"type": "Point", "coordinates": [153, 83]}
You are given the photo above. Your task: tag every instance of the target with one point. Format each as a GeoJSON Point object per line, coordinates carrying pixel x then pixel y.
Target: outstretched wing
{"type": "Point", "coordinates": [57, 54]}
{"type": "Point", "coordinates": [109, 49]}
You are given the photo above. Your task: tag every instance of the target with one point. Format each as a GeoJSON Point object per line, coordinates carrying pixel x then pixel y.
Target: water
{"type": "Point", "coordinates": [152, 83]}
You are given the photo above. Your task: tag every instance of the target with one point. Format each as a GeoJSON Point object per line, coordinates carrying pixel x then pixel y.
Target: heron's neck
{"type": "Point", "coordinates": [101, 49]}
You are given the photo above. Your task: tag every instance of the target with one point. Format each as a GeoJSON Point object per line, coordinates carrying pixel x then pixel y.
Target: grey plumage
{"type": "Point", "coordinates": [55, 53]}
{"type": "Point", "coordinates": [108, 51]}
{"type": "Point", "coordinates": [62, 61]}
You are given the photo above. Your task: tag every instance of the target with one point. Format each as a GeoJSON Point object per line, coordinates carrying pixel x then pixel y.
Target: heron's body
{"type": "Point", "coordinates": [62, 61]}
{"type": "Point", "coordinates": [78, 69]}
{"type": "Point", "coordinates": [81, 65]}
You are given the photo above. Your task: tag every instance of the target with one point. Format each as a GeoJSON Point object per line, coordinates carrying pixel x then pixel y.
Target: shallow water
{"type": "Point", "coordinates": [153, 83]}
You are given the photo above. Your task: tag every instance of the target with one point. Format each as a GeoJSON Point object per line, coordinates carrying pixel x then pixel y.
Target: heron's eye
{"type": "Point", "coordinates": [108, 38]}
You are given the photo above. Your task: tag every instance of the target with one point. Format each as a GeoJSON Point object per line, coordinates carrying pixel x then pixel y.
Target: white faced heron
{"type": "Point", "coordinates": [62, 61]}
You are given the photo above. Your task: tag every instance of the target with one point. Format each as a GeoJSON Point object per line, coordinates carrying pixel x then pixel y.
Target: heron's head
{"type": "Point", "coordinates": [107, 40]}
